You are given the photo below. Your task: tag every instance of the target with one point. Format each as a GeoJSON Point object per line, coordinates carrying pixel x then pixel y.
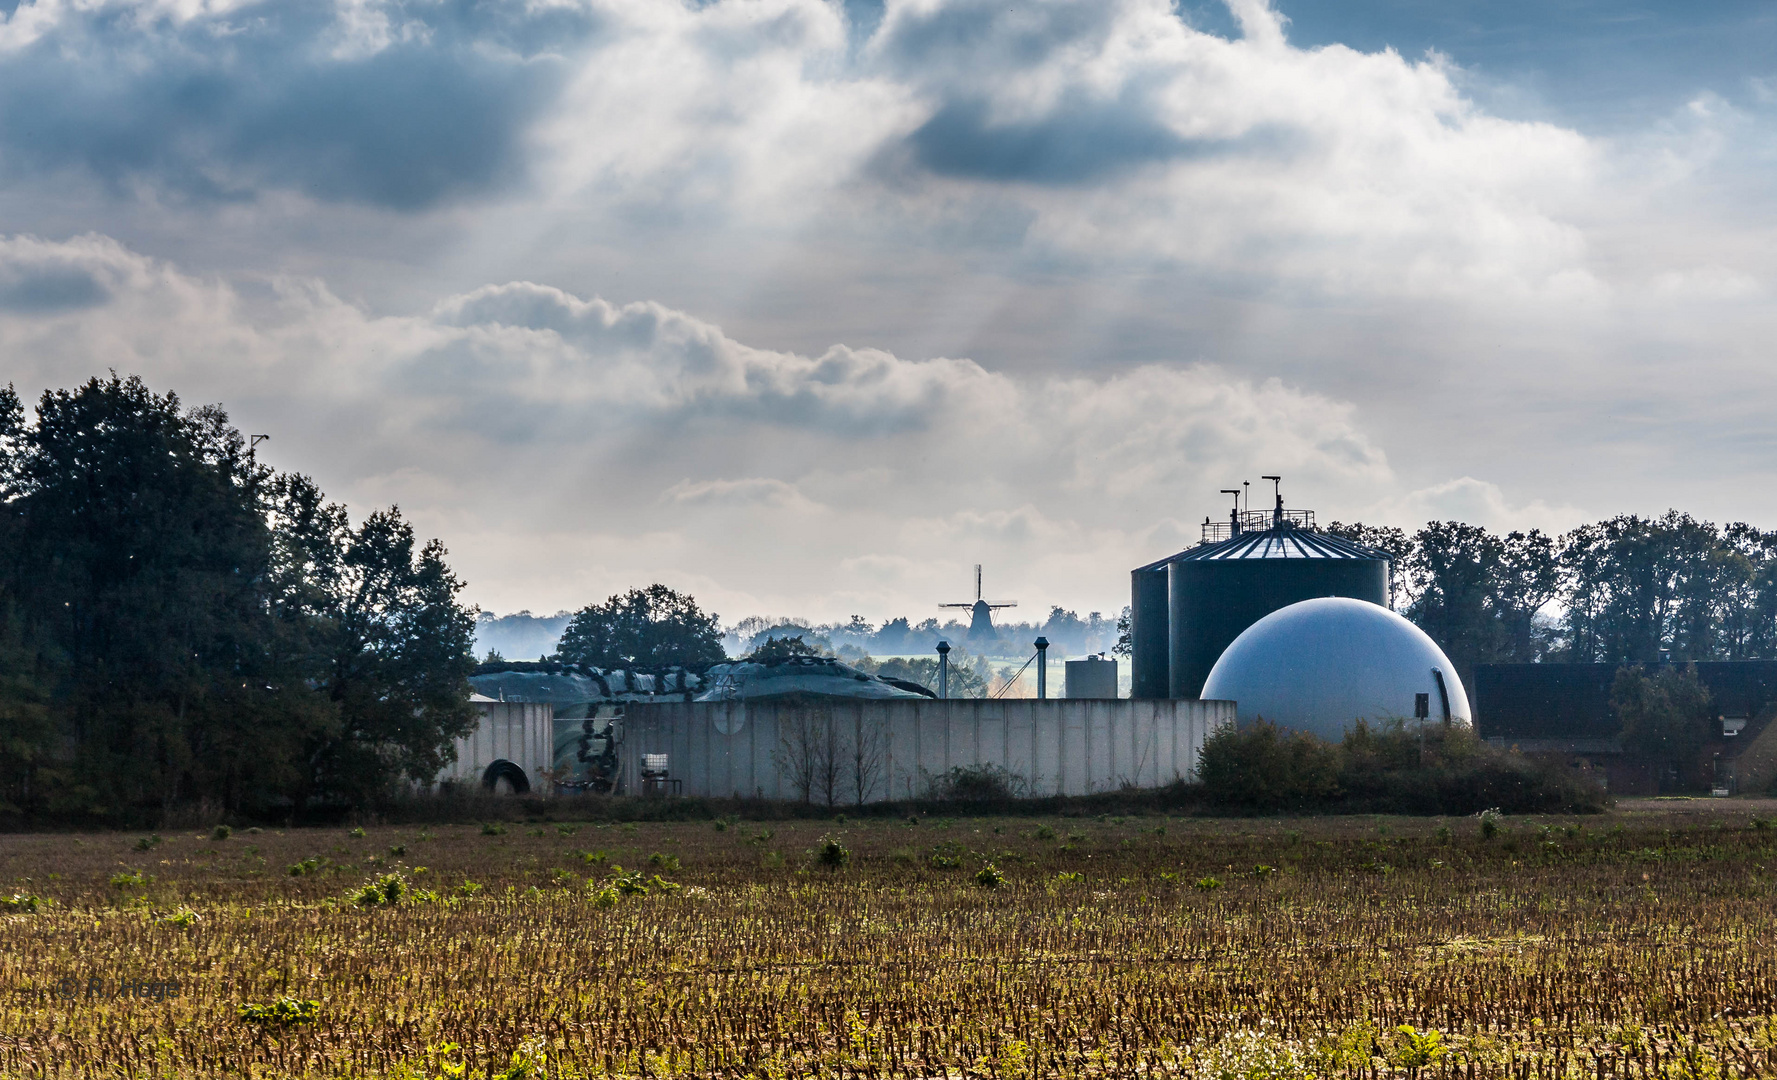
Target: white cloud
{"type": "Point", "coordinates": [751, 492]}
{"type": "Point", "coordinates": [798, 312]}
{"type": "Point", "coordinates": [1477, 502]}
{"type": "Point", "coordinates": [777, 469]}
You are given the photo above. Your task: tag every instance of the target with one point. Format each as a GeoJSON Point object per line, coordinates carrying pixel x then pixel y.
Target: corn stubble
{"type": "Point", "coordinates": [1330, 948]}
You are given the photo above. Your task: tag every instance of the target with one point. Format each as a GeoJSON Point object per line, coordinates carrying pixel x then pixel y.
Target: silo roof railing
{"type": "Point", "coordinates": [1287, 542]}
{"type": "Point", "coordinates": [1252, 521]}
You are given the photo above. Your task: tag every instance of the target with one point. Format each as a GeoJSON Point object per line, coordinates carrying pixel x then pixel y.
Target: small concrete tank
{"type": "Point", "coordinates": [1093, 677]}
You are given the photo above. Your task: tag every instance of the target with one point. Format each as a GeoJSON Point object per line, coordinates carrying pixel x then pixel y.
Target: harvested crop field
{"type": "Point", "coordinates": [1638, 943]}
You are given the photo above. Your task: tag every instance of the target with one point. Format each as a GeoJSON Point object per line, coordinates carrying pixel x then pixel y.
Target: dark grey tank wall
{"type": "Point", "coordinates": [1148, 644]}
{"type": "Point", "coordinates": [1212, 600]}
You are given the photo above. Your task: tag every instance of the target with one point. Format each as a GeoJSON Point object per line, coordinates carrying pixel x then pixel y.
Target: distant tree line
{"type": "Point", "coordinates": [1069, 634]}
{"type": "Point", "coordinates": [1616, 591]}
{"type": "Point", "coordinates": [181, 625]}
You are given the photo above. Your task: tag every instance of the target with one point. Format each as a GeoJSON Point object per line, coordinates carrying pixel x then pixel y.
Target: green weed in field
{"type": "Point", "coordinates": [284, 1012]}
{"type": "Point", "coordinates": [130, 881]}
{"type": "Point", "coordinates": [829, 852]}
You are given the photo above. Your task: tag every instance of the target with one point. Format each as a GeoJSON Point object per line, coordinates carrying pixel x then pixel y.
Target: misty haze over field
{"type": "Point", "coordinates": [806, 307]}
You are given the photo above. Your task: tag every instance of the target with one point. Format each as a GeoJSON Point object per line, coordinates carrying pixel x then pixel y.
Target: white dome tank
{"type": "Point", "coordinates": [1319, 665]}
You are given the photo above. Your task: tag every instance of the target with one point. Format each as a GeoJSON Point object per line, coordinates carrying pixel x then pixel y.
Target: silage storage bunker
{"type": "Point", "coordinates": [509, 749]}
{"type": "Point", "coordinates": [1186, 609]}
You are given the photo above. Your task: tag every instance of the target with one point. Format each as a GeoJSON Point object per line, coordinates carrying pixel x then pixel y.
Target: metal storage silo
{"type": "Point", "coordinates": [1148, 621]}
{"type": "Point", "coordinates": [1247, 568]}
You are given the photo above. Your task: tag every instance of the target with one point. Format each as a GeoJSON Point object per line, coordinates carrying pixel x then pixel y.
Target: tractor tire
{"type": "Point", "coordinates": [505, 778]}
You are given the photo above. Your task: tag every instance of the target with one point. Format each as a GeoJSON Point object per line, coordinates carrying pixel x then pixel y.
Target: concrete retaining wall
{"type": "Point", "coordinates": [869, 751]}
{"type": "Point", "coordinates": [516, 731]}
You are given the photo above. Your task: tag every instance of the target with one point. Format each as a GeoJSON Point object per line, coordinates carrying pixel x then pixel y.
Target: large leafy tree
{"type": "Point", "coordinates": [1665, 714]}
{"type": "Point", "coordinates": [182, 625]}
{"type": "Point", "coordinates": [1637, 585]}
{"type": "Point", "coordinates": [27, 732]}
{"type": "Point", "coordinates": [644, 629]}
{"type": "Point", "coordinates": [372, 614]}
{"type": "Point", "coordinates": [1478, 594]}
{"type": "Point", "coordinates": [134, 549]}
{"type": "Point", "coordinates": [1393, 542]}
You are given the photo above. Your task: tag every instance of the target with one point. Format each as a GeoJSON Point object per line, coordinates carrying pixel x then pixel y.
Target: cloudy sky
{"type": "Point", "coordinates": [806, 306]}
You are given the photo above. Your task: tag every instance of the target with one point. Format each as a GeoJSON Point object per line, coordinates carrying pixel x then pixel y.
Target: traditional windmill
{"type": "Point", "coordinates": [981, 619]}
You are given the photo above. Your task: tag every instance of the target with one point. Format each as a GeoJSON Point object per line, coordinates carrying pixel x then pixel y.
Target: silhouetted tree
{"type": "Point", "coordinates": [389, 647]}
{"type": "Point", "coordinates": [1638, 585]}
{"type": "Point", "coordinates": [188, 635]}
{"type": "Point", "coordinates": [1478, 594]}
{"type": "Point", "coordinates": [1665, 715]}
{"type": "Point", "coordinates": [778, 647]}
{"type": "Point", "coordinates": [1393, 542]}
{"type": "Point", "coordinates": [647, 629]}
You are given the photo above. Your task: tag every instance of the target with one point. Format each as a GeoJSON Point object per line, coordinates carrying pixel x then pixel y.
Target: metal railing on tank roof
{"type": "Point", "coordinates": [1256, 521]}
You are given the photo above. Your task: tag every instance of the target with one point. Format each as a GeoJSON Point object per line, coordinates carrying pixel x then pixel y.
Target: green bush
{"type": "Point", "coordinates": [977, 784]}
{"type": "Point", "coordinates": [1665, 715]}
{"type": "Point", "coordinates": [948, 855]}
{"type": "Point", "coordinates": [385, 891]}
{"type": "Point", "coordinates": [1265, 766]}
{"type": "Point", "coordinates": [1416, 1049]}
{"type": "Point", "coordinates": [130, 880]}
{"type": "Point", "coordinates": [284, 1012]}
{"type": "Point", "coordinates": [1384, 769]}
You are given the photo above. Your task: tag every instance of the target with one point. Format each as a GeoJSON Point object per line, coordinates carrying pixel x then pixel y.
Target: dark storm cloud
{"type": "Point", "coordinates": [44, 291]}
{"type": "Point", "coordinates": [966, 54]}
{"type": "Point", "coordinates": [982, 37]}
{"type": "Point", "coordinates": [401, 107]}
{"type": "Point", "coordinates": [1077, 142]}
